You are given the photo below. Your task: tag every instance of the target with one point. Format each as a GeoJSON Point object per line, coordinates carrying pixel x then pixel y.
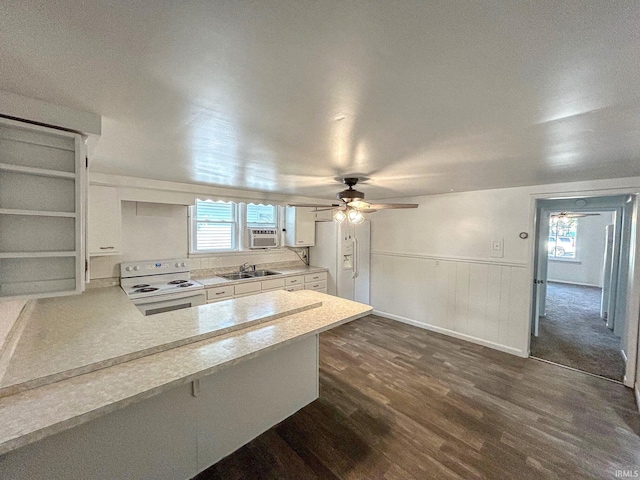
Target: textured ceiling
{"type": "Point", "coordinates": [421, 97]}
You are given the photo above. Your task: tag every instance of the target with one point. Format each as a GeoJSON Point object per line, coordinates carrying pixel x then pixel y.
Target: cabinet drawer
{"type": "Point", "coordinates": [294, 288]}
{"type": "Point", "coordinates": [316, 285]}
{"type": "Point", "coordinates": [315, 277]}
{"type": "Point", "coordinates": [272, 284]}
{"type": "Point", "coordinates": [289, 281]}
{"type": "Point", "coordinates": [218, 293]}
{"type": "Point", "coordinates": [247, 288]}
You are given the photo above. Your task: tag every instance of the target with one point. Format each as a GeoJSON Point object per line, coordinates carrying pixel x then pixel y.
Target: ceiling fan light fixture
{"type": "Point", "coordinates": [355, 217]}
{"type": "Point", "coordinates": [339, 216]}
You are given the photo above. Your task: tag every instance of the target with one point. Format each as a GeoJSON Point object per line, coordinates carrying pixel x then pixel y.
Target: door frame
{"type": "Point", "coordinates": [629, 280]}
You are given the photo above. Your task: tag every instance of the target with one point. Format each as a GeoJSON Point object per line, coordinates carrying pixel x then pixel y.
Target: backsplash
{"type": "Point", "coordinates": [211, 272]}
{"type": "Point", "coordinates": [112, 268]}
{"type": "Point", "coordinates": [153, 231]}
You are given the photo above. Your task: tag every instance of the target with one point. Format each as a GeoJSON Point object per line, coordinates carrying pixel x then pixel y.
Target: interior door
{"type": "Point", "coordinates": [606, 275]}
{"type": "Point", "coordinates": [541, 259]}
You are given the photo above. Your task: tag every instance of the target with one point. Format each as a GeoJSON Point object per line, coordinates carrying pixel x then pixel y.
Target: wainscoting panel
{"type": "Point", "coordinates": [484, 302]}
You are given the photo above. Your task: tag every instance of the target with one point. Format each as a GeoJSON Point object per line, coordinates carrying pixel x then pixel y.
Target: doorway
{"type": "Point", "coordinates": [581, 271]}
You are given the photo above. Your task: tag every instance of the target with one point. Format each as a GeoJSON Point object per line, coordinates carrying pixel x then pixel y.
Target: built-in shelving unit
{"type": "Point", "coordinates": [42, 187]}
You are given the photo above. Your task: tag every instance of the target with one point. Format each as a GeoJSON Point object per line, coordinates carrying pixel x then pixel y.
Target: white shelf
{"type": "Point", "coordinates": [42, 172]}
{"type": "Point", "coordinates": [37, 213]}
{"type": "Point", "coordinates": [37, 254]}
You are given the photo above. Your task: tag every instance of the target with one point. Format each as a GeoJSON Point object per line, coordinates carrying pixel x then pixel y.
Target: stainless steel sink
{"type": "Point", "coordinates": [263, 273]}
{"type": "Point", "coordinates": [236, 276]}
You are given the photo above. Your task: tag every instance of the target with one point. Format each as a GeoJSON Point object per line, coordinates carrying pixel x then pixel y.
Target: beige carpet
{"type": "Point", "coordinates": [574, 334]}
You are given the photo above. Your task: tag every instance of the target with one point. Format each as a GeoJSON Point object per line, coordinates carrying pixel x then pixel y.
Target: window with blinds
{"type": "Point", "coordinates": [261, 215]}
{"type": "Point", "coordinates": [215, 226]}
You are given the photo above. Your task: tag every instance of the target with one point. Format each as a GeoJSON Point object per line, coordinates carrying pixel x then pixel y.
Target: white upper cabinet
{"type": "Point", "coordinates": [42, 191]}
{"type": "Point", "coordinates": [105, 221]}
{"type": "Point", "coordinates": [300, 225]}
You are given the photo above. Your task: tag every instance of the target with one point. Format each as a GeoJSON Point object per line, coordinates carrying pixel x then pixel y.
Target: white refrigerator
{"type": "Point", "coordinates": [345, 250]}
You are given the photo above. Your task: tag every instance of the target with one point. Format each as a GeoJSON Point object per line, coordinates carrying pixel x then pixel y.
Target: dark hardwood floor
{"type": "Point", "coordinates": [398, 402]}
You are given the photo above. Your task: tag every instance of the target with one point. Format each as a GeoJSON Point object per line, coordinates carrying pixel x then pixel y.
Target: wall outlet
{"type": "Point", "coordinates": [497, 248]}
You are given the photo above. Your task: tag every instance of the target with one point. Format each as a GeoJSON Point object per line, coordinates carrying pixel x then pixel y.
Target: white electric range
{"type": "Point", "coordinates": [157, 286]}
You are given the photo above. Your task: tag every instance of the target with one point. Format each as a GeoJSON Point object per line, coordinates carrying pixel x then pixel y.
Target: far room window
{"type": "Point", "coordinates": [563, 233]}
{"type": "Point", "coordinates": [261, 215]}
{"type": "Point", "coordinates": [214, 227]}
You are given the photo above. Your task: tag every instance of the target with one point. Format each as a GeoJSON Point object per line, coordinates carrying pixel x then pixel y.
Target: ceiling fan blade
{"type": "Point", "coordinates": [573, 215]}
{"type": "Point", "coordinates": [359, 204]}
{"type": "Point", "coordinates": [313, 205]}
{"type": "Point", "coordinates": [390, 206]}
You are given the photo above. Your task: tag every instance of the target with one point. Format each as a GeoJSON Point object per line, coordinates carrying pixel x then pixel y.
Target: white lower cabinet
{"type": "Point", "coordinates": [317, 286]}
{"type": "Point", "coordinates": [293, 288]}
{"type": "Point", "coordinates": [292, 281]}
{"type": "Point", "coordinates": [219, 293]}
{"type": "Point", "coordinates": [313, 281]}
{"type": "Point", "coordinates": [290, 284]}
{"type": "Point", "coordinates": [249, 287]}
{"type": "Point", "coordinates": [176, 435]}
{"type": "Point", "coordinates": [316, 282]}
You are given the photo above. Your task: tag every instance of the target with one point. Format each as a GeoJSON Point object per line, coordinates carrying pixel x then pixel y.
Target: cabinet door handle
{"type": "Point", "coordinates": [220, 293]}
{"type": "Point", "coordinates": [107, 248]}
{"type": "Point", "coordinates": [294, 281]}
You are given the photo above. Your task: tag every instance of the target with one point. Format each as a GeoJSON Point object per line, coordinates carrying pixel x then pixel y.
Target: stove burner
{"type": "Point", "coordinates": [145, 290]}
{"type": "Point", "coordinates": [185, 284]}
{"type": "Point", "coordinates": [177, 282]}
{"type": "Point", "coordinates": [142, 285]}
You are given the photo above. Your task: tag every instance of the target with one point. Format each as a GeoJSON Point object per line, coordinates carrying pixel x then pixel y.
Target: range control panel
{"type": "Point", "coordinates": [151, 267]}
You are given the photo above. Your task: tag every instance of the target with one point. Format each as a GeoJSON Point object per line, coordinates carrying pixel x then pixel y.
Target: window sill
{"type": "Point", "coordinates": [564, 260]}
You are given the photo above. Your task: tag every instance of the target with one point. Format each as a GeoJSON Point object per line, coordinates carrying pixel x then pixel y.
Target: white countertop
{"type": "Point", "coordinates": [64, 337]}
{"type": "Point", "coordinates": [217, 281]}
{"type": "Point", "coordinates": [30, 415]}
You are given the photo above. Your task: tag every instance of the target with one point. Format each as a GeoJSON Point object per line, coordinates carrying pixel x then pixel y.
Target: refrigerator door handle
{"type": "Point", "coordinates": [355, 258]}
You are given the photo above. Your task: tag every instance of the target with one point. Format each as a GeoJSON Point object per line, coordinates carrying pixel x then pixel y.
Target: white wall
{"type": "Point", "coordinates": [161, 230]}
{"type": "Point", "coordinates": [432, 266]}
{"type": "Point", "coordinates": [153, 230]}
{"type": "Point", "coordinates": [587, 269]}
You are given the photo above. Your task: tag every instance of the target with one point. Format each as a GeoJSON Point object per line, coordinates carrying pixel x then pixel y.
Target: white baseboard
{"type": "Point", "coordinates": [452, 333]}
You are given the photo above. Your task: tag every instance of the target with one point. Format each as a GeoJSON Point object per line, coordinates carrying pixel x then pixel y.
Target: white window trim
{"type": "Point", "coordinates": [576, 258]}
{"type": "Point", "coordinates": [235, 241]}
{"type": "Point", "coordinates": [241, 234]}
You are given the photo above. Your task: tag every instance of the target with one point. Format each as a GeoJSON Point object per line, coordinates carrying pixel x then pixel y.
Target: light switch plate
{"type": "Point", "coordinates": [497, 248]}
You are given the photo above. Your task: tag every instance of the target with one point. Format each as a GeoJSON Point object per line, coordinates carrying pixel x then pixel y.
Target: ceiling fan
{"type": "Point", "coordinates": [351, 204]}
{"type": "Point", "coordinates": [563, 215]}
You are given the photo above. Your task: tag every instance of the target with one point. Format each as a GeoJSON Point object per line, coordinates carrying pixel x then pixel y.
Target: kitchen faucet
{"type": "Point", "coordinates": [245, 266]}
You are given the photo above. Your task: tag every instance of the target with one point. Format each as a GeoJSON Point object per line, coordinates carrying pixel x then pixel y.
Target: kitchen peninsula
{"type": "Point", "coordinates": [163, 396]}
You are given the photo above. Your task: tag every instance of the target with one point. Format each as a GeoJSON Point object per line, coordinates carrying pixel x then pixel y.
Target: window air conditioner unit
{"type": "Point", "coordinates": [263, 238]}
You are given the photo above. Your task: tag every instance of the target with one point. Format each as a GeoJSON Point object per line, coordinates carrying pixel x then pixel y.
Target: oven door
{"type": "Point", "coordinates": [167, 303]}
